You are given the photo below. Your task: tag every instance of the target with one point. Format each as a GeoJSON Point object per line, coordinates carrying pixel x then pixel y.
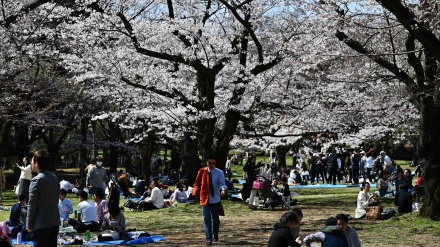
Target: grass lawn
{"type": "Point", "coordinates": [183, 225]}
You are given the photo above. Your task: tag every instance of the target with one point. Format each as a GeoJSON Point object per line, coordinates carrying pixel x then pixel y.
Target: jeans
{"type": "Point", "coordinates": [211, 219]}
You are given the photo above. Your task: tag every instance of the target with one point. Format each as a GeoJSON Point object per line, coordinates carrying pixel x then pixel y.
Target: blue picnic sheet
{"type": "Point", "coordinates": [326, 186]}
{"type": "Point", "coordinates": [142, 240]}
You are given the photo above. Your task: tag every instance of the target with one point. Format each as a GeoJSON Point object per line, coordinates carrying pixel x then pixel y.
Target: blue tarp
{"type": "Point", "coordinates": [326, 186]}
{"type": "Point", "coordinates": [142, 240]}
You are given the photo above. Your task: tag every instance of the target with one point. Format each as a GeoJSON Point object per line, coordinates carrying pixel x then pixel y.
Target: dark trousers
{"type": "Point", "coordinates": [355, 174]}
{"type": "Point", "coordinates": [81, 227]}
{"type": "Point", "coordinates": [313, 175]}
{"type": "Point", "coordinates": [147, 206]}
{"type": "Point", "coordinates": [322, 173]}
{"type": "Point", "coordinates": [333, 174]}
{"type": "Point", "coordinates": [46, 237]}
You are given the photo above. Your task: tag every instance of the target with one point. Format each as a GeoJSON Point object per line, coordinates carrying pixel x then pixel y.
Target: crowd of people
{"type": "Point", "coordinates": [210, 185]}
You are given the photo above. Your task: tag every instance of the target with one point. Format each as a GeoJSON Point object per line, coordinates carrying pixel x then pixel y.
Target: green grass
{"type": "Point", "coordinates": [183, 225]}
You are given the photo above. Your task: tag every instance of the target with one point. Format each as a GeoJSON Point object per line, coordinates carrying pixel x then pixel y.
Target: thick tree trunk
{"type": "Point", "coordinates": [22, 145]}
{"type": "Point", "coordinates": [113, 158]}
{"type": "Point", "coordinates": [429, 145]}
{"type": "Point", "coordinates": [148, 147]}
{"type": "Point", "coordinates": [281, 153]}
{"type": "Point", "coordinates": [191, 162]}
{"type": "Point", "coordinates": [227, 133]}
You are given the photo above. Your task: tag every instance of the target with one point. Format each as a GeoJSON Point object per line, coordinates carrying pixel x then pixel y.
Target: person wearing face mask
{"type": "Point", "coordinates": [96, 177]}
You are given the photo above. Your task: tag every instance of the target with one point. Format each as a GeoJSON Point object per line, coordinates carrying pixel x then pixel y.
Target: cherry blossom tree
{"type": "Point", "coordinates": [402, 39]}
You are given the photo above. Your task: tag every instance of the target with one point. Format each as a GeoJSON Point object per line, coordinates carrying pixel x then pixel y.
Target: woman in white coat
{"type": "Point", "coordinates": [25, 178]}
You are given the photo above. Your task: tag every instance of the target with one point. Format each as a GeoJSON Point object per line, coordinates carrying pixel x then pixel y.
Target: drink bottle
{"type": "Point", "coordinates": [88, 235]}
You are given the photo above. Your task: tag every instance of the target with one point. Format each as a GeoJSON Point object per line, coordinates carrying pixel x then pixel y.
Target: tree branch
{"type": "Point", "coordinates": [248, 27]}
{"type": "Point", "coordinates": [196, 64]}
{"type": "Point", "coordinates": [355, 45]}
{"type": "Point", "coordinates": [175, 95]}
{"type": "Point", "coordinates": [415, 28]}
{"type": "Point", "coordinates": [24, 10]}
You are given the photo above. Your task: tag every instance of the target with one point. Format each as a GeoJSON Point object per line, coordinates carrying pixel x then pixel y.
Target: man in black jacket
{"type": "Point", "coordinates": [403, 200]}
{"type": "Point", "coordinates": [281, 236]}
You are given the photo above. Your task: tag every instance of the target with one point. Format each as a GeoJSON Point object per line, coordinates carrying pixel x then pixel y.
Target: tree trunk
{"type": "Point", "coordinates": [429, 144]}
{"type": "Point", "coordinates": [190, 158]}
{"type": "Point", "coordinates": [113, 158]}
{"type": "Point", "coordinates": [227, 133]}
{"type": "Point", "coordinates": [83, 149]}
{"type": "Point", "coordinates": [148, 147]}
{"type": "Point", "coordinates": [22, 145]}
{"type": "Point", "coordinates": [281, 153]}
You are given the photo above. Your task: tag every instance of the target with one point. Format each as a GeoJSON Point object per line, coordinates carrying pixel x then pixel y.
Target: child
{"type": "Point", "coordinates": [415, 204]}
{"type": "Point", "coordinates": [286, 193]}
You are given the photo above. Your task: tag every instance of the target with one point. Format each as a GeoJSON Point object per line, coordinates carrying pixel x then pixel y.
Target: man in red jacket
{"type": "Point", "coordinates": [210, 185]}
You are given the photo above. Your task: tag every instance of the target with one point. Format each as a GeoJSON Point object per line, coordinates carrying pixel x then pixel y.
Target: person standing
{"type": "Point", "coordinates": [2, 184]}
{"type": "Point", "coordinates": [96, 177]}
{"type": "Point", "coordinates": [228, 167]}
{"type": "Point", "coordinates": [356, 162]}
{"type": "Point", "coordinates": [209, 181]}
{"type": "Point", "coordinates": [43, 217]}
{"type": "Point", "coordinates": [25, 177]}
{"type": "Point", "coordinates": [250, 169]}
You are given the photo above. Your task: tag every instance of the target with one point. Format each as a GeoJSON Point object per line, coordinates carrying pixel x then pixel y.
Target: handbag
{"type": "Point", "coordinates": [373, 212]}
{"type": "Point", "coordinates": [257, 185]}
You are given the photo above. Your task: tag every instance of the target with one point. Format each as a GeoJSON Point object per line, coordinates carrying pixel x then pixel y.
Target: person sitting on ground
{"type": "Point", "coordinates": [86, 215]}
{"type": "Point", "coordinates": [297, 179]}
{"type": "Point", "coordinates": [162, 187]}
{"type": "Point", "coordinates": [179, 195]}
{"type": "Point", "coordinates": [408, 179]}
{"type": "Point", "coordinates": [141, 185]}
{"type": "Point", "coordinates": [64, 206]}
{"type": "Point", "coordinates": [114, 220]}
{"type": "Point", "coordinates": [281, 236]}
{"type": "Point", "coordinates": [188, 189]}
{"type": "Point", "coordinates": [155, 201]}
{"type": "Point", "coordinates": [66, 185]}
{"type": "Point", "coordinates": [399, 180]}
{"type": "Point", "coordinates": [14, 217]}
{"type": "Point", "coordinates": [329, 236]}
{"type": "Point", "coordinates": [382, 183]}
{"type": "Point", "coordinates": [403, 200]}
{"type": "Point", "coordinates": [350, 233]}
{"type": "Point", "coordinates": [364, 200]}
{"type": "Point", "coordinates": [296, 231]}
{"type": "Point", "coordinates": [101, 206]}
{"type": "Point", "coordinates": [415, 204]}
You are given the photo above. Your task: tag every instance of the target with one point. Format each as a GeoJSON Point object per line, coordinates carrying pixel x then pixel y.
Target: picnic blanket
{"type": "Point", "coordinates": [326, 186]}
{"type": "Point", "coordinates": [142, 240]}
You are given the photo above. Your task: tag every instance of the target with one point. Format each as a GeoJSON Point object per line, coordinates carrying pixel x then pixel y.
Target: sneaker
{"type": "Point", "coordinates": [208, 242]}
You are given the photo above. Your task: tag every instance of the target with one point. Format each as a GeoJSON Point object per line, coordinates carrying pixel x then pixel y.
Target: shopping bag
{"type": "Point", "coordinates": [257, 185]}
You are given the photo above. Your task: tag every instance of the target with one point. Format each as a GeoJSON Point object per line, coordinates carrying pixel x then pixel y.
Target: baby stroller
{"type": "Point", "coordinates": [270, 196]}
